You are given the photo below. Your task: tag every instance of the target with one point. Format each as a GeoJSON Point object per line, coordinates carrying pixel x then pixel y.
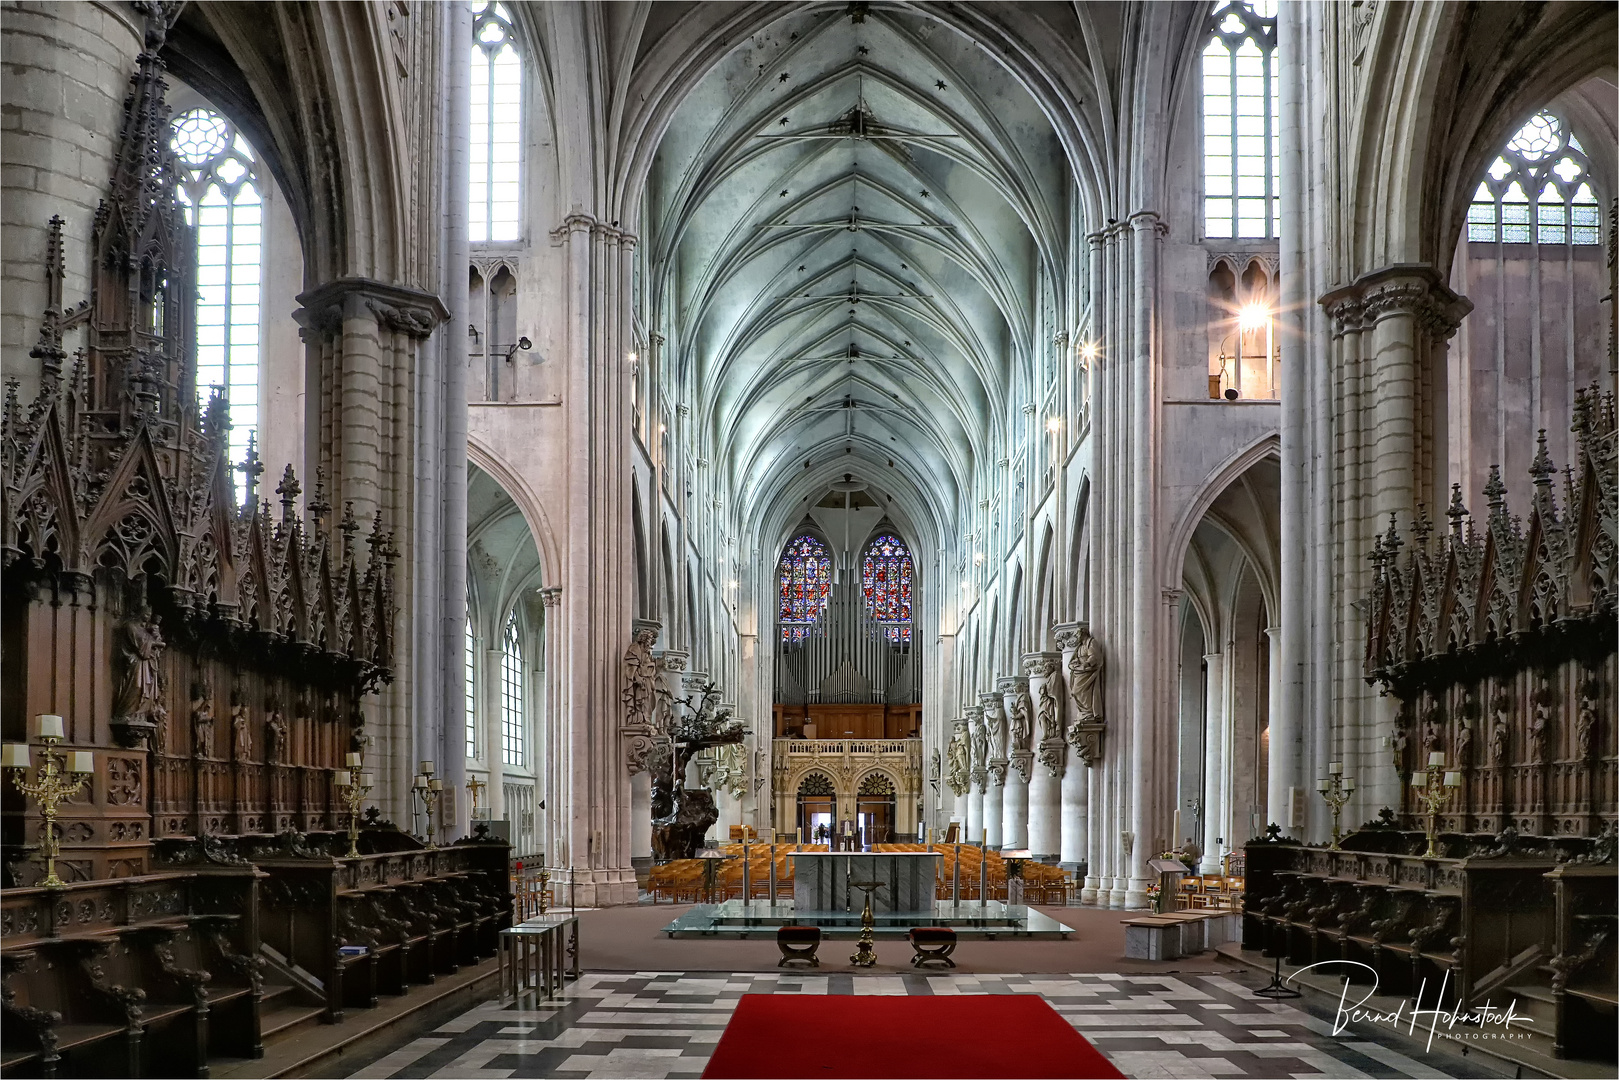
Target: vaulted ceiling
{"type": "Point", "coordinates": [854, 225]}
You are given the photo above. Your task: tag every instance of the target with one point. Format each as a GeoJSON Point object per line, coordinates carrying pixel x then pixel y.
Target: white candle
{"type": "Point", "coordinates": [1335, 768]}
{"type": "Point", "coordinates": [426, 767]}
{"type": "Point", "coordinates": [1175, 833]}
{"type": "Point", "coordinates": [50, 726]}
{"type": "Point", "coordinates": [81, 761]}
{"type": "Point", "coordinates": [1437, 758]}
{"type": "Point", "coordinates": [16, 756]}
{"type": "Point", "coordinates": [354, 759]}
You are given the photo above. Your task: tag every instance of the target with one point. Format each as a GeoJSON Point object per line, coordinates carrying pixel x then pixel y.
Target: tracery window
{"type": "Point", "coordinates": [806, 585]}
{"type": "Point", "coordinates": [220, 192]}
{"type": "Point", "coordinates": [512, 735]}
{"type": "Point", "coordinates": [1241, 108]}
{"type": "Point", "coordinates": [876, 784]}
{"type": "Point", "coordinates": [497, 125]}
{"type": "Point", "coordinates": [471, 691]}
{"type": "Point", "coordinates": [1539, 187]}
{"type": "Point", "coordinates": [816, 784]}
{"type": "Point", "coordinates": [885, 579]}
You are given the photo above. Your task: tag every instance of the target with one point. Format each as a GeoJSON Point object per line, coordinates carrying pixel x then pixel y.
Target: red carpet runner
{"type": "Point", "coordinates": [792, 1036]}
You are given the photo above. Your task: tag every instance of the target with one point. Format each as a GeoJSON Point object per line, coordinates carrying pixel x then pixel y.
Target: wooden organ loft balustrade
{"type": "Point", "coordinates": [215, 661]}
{"type": "Point", "coordinates": [1499, 645]}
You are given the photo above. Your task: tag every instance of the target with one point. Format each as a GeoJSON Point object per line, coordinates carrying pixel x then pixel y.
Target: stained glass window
{"type": "Point", "coordinates": [1241, 106]}
{"type": "Point", "coordinates": [806, 585]}
{"type": "Point", "coordinates": [513, 736]}
{"type": "Point", "coordinates": [497, 125]}
{"type": "Point", "coordinates": [1544, 157]}
{"type": "Point", "coordinates": [219, 191]}
{"type": "Point", "coordinates": [885, 578]}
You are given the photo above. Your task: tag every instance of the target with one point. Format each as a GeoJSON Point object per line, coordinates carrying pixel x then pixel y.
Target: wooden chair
{"type": "Point", "coordinates": [798, 945]}
{"type": "Point", "coordinates": [932, 945]}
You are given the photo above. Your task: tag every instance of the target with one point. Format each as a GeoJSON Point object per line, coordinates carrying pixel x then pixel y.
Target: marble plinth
{"type": "Point", "coordinates": [821, 880]}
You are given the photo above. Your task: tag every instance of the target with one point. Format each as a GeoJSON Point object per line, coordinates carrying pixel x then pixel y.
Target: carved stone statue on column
{"type": "Point", "coordinates": [979, 774]}
{"type": "Point", "coordinates": [1051, 750]}
{"type": "Point", "coordinates": [995, 734]}
{"type": "Point", "coordinates": [958, 755]}
{"type": "Point", "coordinates": [1085, 686]}
{"type": "Point", "coordinates": [1018, 724]}
{"type": "Point", "coordinates": [639, 695]}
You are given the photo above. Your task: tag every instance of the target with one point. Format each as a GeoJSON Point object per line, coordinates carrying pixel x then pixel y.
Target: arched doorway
{"type": "Point", "coordinates": [817, 807]}
{"type": "Point", "coordinates": [874, 809]}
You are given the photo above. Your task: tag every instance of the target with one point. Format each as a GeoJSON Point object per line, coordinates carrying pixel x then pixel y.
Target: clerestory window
{"type": "Point", "coordinates": [1241, 106]}
{"type": "Point", "coordinates": [497, 126]}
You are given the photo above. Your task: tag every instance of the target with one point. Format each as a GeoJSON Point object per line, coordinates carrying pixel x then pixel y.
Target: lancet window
{"type": "Point", "coordinates": [1241, 106]}
{"type": "Point", "coordinates": [806, 585]}
{"type": "Point", "coordinates": [471, 690]}
{"type": "Point", "coordinates": [219, 190]}
{"type": "Point", "coordinates": [1538, 188]}
{"type": "Point", "coordinates": [514, 740]}
{"type": "Point", "coordinates": [885, 581]}
{"type": "Point", "coordinates": [497, 126]}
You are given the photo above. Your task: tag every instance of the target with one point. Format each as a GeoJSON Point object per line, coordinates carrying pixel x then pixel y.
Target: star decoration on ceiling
{"type": "Point", "coordinates": [783, 77]}
{"type": "Point", "coordinates": [940, 85]}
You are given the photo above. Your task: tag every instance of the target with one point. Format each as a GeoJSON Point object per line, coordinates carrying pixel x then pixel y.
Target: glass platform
{"type": "Point", "coordinates": [969, 919]}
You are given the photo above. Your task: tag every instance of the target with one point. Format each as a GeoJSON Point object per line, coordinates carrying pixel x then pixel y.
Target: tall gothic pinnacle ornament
{"type": "Point", "coordinates": [1457, 512]}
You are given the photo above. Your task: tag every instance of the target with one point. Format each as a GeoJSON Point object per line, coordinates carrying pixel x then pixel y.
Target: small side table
{"type": "Point", "coordinates": [542, 954]}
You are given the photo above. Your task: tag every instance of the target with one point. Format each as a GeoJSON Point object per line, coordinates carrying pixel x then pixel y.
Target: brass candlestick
{"type": "Point", "coordinates": [1432, 789]}
{"type": "Point", "coordinates": [60, 777]}
{"type": "Point", "coordinates": [865, 952]}
{"type": "Point", "coordinates": [352, 786]}
{"type": "Point", "coordinates": [429, 789]}
{"type": "Point", "coordinates": [1336, 788]}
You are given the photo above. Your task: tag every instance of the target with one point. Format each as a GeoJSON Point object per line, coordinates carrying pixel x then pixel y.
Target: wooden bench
{"type": "Point", "coordinates": [933, 945]}
{"type": "Point", "coordinates": [798, 945]}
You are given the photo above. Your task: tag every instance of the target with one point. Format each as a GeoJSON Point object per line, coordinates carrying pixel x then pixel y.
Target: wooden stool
{"type": "Point", "coordinates": [798, 943]}
{"type": "Point", "coordinates": [933, 945]}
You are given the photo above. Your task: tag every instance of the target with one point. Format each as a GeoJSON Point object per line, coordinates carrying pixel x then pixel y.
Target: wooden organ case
{"type": "Point", "coordinates": [1499, 645]}
{"type": "Point", "coordinates": [214, 659]}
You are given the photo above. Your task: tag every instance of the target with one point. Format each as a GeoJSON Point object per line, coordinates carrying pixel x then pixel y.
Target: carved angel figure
{"type": "Point", "coordinates": [1085, 678]}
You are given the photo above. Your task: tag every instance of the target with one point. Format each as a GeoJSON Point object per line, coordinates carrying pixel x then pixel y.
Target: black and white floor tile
{"type": "Point", "coordinates": [654, 1025]}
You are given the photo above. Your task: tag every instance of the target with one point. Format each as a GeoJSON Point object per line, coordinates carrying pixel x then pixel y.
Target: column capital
{"type": "Point", "coordinates": [1412, 289]}
{"type": "Point", "coordinates": [674, 660]}
{"type": "Point", "coordinates": [1042, 665]}
{"type": "Point", "coordinates": [398, 307]}
{"type": "Point", "coordinates": [1068, 634]}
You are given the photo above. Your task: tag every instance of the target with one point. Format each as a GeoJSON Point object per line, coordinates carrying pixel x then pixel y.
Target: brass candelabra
{"type": "Point", "coordinates": [352, 787]}
{"type": "Point", "coordinates": [1336, 789]}
{"type": "Point", "coordinates": [60, 777]}
{"type": "Point", "coordinates": [1432, 789]}
{"type": "Point", "coordinates": [429, 789]}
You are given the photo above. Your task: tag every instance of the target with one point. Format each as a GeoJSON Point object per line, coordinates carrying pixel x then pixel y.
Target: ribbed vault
{"type": "Point", "coordinates": [856, 228]}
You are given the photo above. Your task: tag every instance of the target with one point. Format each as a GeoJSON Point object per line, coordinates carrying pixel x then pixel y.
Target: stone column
{"type": "Point", "coordinates": [979, 774]}
{"type": "Point", "coordinates": [1273, 709]}
{"type": "Point", "coordinates": [1216, 787]}
{"type": "Point", "coordinates": [1019, 730]}
{"type": "Point", "coordinates": [1051, 754]}
{"type": "Point", "coordinates": [68, 68]}
{"type": "Point", "coordinates": [642, 682]}
{"type": "Point", "coordinates": [994, 711]}
{"type": "Point", "coordinates": [1076, 778]}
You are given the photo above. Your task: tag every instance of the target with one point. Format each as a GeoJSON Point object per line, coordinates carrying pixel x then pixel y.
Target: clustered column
{"type": "Point", "coordinates": [1051, 754]}
{"type": "Point", "coordinates": [1015, 805]}
{"type": "Point", "coordinates": [1076, 778]}
{"type": "Point", "coordinates": [994, 712]}
{"type": "Point", "coordinates": [978, 773]}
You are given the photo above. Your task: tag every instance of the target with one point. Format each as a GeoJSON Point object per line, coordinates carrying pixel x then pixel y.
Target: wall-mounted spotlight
{"type": "Point", "coordinates": [1054, 425]}
{"type": "Point", "coordinates": [1088, 351]}
{"type": "Point", "coordinates": [522, 343]}
{"type": "Point", "coordinates": [1254, 316]}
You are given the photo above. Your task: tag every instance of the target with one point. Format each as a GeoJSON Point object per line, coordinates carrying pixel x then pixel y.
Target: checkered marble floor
{"type": "Point", "coordinates": [651, 1024]}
